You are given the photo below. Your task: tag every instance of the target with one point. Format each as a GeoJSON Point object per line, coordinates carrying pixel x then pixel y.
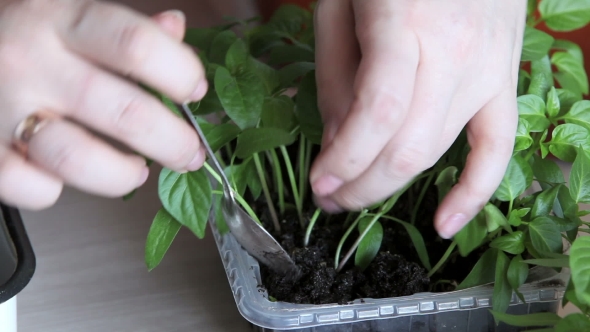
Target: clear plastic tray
{"type": "Point", "coordinates": [466, 310]}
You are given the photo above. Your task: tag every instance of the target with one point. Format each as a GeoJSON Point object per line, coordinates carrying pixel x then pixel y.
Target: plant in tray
{"type": "Point", "coordinates": [261, 118]}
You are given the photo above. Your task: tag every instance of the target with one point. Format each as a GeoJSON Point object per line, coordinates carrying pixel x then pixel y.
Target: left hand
{"type": "Point", "coordinates": [397, 82]}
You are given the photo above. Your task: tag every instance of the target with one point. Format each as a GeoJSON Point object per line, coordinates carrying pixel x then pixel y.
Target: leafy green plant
{"type": "Point", "coordinates": [262, 120]}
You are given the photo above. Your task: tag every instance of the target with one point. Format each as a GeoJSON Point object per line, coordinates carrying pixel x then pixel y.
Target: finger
{"type": "Point", "coordinates": [122, 40]}
{"type": "Point", "coordinates": [24, 185]}
{"type": "Point", "coordinates": [85, 162]}
{"type": "Point", "coordinates": [173, 22]}
{"type": "Point", "coordinates": [491, 137]}
{"type": "Point", "coordinates": [383, 90]}
{"type": "Point", "coordinates": [337, 59]}
{"type": "Point", "coordinates": [122, 111]}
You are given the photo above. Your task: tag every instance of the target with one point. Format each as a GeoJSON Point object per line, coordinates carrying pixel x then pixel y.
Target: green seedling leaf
{"type": "Point", "coordinates": [573, 69]}
{"type": "Point", "coordinates": [570, 47]}
{"type": "Point", "coordinates": [291, 72]}
{"type": "Point", "coordinates": [574, 322]}
{"type": "Point", "coordinates": [517, 273]}
{"type": "Point", "coordinates": [237, 56]}
{"type": "Point", "coordinates": [502, 290]}
{"type": "Point", "coordinates": [283, 54]}
{"type": "Point", "coordinates": [536, 44]}
{"type": "Point", "coordinates": [370, 244]}
{"type": "Point", "coordinates": [219, 217]}
{"type": "Point", "coordinates": [553, 105]}
{"type": "Point", "coordinates": [517, 178]}
{"type": "Point", "coordinates": [543, 145]}
{"type": "Point", "coordinates": [549, 262]}
{"type": "Point", "coordinates": [254, 140]}
{"type": "Point", "coordinates": [220, 135]}
{"type": "Point", "coordinates": [445, 180]}
{"type": "Point", "coordinates": [512, 243]}
{"type": "Point", "coordinates": [523, 139]}
{"type": "Point", "coordinates": [494, 217]}
{"type": "Point", "coordinates": [529, 320]}
{"type": "Point", "coordinates": [524, 80]}
{"type": "Point", "coordinates": [580, 178]}
{"type": "Point", "coordinates": [242, 96]}
{"type": "Point", "coordinates": [545, 236]}
{"type": "Point", "coordinates": [580, 269]}
{"type": "Point", "coordinates": [268, 76]}
{"type": "Point", "coordinates": [566, 139]}
{"type": "Point", "coordinates": [418, 242]}
{"type": "Point", "coordinates": [244, 176]}
{"type": "Point", "coordinates": [308, 113]}
{"type": "Point", "coordinates": [566, 207]}
{"type": "Point", "coordinates": [532, 109]}
{"type": "Point", "coordinates": [483, 272]}
{"type": "Point", "coordinates": [220, 46]}
{"type": "Point", "coordinates": [187, 197]}
{"type": "Point", "coordinates": [579, 114]}
{"type": "Point", "coordinates": [565, 15]}
{"type": "Point", "coordinates": [279, 112]}
{"type": "Point", "coordinates": [567, 99]}
{"type": "Point", "coordinates": [200, 38]}
{"type": "Point", "coordinates": [541, 77]}
{"type": "Point", "coordinates": [472, 235]}
{"type": "Point", "coordinates": [161, 234]}
{"type": "Point", "coordinates": [545, 201]}
{"type": "Point", "coordinates": [547, 172]}
{"type": "Point", "coordinates": [515, 216]}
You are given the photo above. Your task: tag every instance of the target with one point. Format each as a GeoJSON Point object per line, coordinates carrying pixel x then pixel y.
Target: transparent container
{"type": "Point", "coordinates": [466, 310]}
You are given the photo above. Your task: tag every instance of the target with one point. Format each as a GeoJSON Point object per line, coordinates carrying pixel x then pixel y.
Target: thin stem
{"type": "Point", "coordinates": [293, 185]}
{"type": "Point", "coordinates": [348, 219]}
{"type": "Point", "coordinates": [312, 221]}
{"type": "Point", "coordinates": [273, 212]}
{"type": "Point", "coordinates": [510, 206]}
{"type": "Point", "coordinates": [443, 259]}
{"type": "Point", "coordinates": [358, 241]}
{"type": "Point", "coordinates": [302, 175]}
{"type": "Point", "coordinates": [345, 236]}
{"type": "Point", "coordinates": [421, 197]}
{"type": "Point", "coordinates": [279, 180]}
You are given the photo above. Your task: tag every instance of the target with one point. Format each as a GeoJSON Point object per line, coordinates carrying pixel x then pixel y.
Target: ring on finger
{"type": "Point", "coordinates": [28, 127]}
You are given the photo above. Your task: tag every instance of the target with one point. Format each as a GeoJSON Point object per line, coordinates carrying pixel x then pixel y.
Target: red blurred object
{"type": "Point", "coordinates": [267, 7]}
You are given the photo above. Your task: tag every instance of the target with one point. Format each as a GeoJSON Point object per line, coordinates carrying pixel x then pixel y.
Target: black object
{"type": "Point", "coordinates": [17, 259]}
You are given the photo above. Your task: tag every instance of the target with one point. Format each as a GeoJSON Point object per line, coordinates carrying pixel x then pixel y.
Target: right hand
{"type": "Point", "coordinates": [80, 60]}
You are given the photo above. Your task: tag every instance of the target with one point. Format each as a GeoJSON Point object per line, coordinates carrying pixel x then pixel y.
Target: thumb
{"type": "Point", "coordinates": [172, 21]}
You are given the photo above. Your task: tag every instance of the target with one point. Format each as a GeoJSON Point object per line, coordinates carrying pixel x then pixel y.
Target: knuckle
{"type": "Point", "coordinates": [407, 162]}
{"type": "Point", "coordinates": [383, 108]}
{"type": "Point", "coordinates": [128, 118]}
{"type": "Point", "coordinates": [133, 43]}
{"type": "Point", "coordinates": [63, 160]}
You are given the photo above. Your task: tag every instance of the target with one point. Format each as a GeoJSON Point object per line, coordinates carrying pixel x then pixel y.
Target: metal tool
{"type": "Point", "coordinates": [251, 235]}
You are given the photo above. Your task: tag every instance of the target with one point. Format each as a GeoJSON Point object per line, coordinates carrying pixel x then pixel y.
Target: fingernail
{"type": "Point", "coordinates": [177, 13]}
{"type": "Point", "coordinates": [327, 205]}
{"type": "Point", "coordinates": [200, 91]}
{"type": "Point", "coordinates": [197, 161]}
{"type": "Point", "coordinates": [144, 176]}
{"type": "Point", "coordinates": [452, 225]}
{"type": "Point", "coordinates": [326, 185]}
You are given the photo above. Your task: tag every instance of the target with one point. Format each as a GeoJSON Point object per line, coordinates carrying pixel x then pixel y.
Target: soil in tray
{"type": "Point", "coordinates": [396, 270]}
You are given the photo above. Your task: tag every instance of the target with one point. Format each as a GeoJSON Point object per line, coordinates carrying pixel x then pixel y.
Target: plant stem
{"type": "Point", "coordinates": [273, 212]}
{"type": "Point", "coordinates": [358, 241]}
{"type": "Point", "coordinates": [279, 180]}
{"type": "Point", "coordinates": [510, 206]}
{"type": "Point", "coordinates": [293, 185]}
{"type": "Point", "coordinates": [443, 259]}
{"type": "Point", "coordinates": [312, 221]}
{"type": "Point", "coordinates": [421, 197]}
{"type": "Point", "coordinates": [345, 236]}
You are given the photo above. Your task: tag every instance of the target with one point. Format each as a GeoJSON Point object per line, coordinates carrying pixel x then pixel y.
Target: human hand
{"type": "Point", "coordinates": [78, 60]}
{"type": "Point", "coordinates": [427, 69]}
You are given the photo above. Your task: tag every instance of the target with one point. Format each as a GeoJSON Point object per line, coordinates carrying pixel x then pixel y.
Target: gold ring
{"type": "Point", "coordinates": [28, 127]}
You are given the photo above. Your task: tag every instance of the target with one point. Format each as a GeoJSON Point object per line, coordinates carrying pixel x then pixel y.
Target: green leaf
{"type": "Point", "coordinates": [565, 15]}
{"type": "Point", "coordinates": [553, 105]}
{"type": "Point", "coordinates": [512, 243]}
{"type": "Point", "coordinates": [472, 235]}
{"type": "Point", "coordinates": [580, 178]}
{"type": "Point", "coordinates": [242, 96]}
{"type": "Point", "coordinates": [370, 244]}
{"type": "Point", "coordinates": [291, 72]}
{"type": "Point", "coordinates": [567, 99]}
{"type": "Point", "coordinates": [494, 217]}
{"type": "Point", "coordinates": [283, 54]}
{"type": "Point", "coordinates": [541, 77]}
{"type": "Point", "coordinates": [523, 139]}
{"type": "Point", "coordinates": [536, 44]}
{"type": "Point", "coordinates": [517, 178]}
{"type": "Point", "coordinates": [517, 273]}
{"type": "Point", "coordinates": [529, 320]}
{"type": "Point", "coordinates": [308, 113]}
{"type": "Point", "coordinates": [161, 234]}
{"type": "Point", "coordinates": [254, 140]}
{"type": "Point", "coordinates": [532, 109]}
{"type": "Point", "coordinates": [418, 242]}
{"type": "Point", "coordinates": [268, 76]}
{"type": "Point", "coordinates": [200, 38]}
{"type": "Point", "coordinates": [279, 112]}
{"type": "Point", "coordinates": [545, 236]}
{"type": "Point", "coordinates": [221, 134]}
{"type": "Point", "coordinates": [502, 290]}
{"type": "Point", "coordinates": [566, 139]}
{"type": "Point", "coordinates": [580, 269]}
{"type": "Point", "coordinates": [240, 175]}
{"type": "Point", "coordinates": [219, 217]}
{"type": "Point", "coordinates": [572, 69]}
{"type": "Point", "coordinates": [237, 56]}
{"type": "Point", "coordinates": [570, 47]}
{"type": "Point", "coordinates": [579, 114]}
{"type": "Point", "coordinates": [515, 216]}
{"type": "Point", "coordinates": [549, 262]}
{"type": "Point", "coordinates": [445, 180]}
{"type": "Point", "coordinates": [545, 201]}
{"type": "Point", "coordinates": [524, 80]}
{"type": "Point", "coordinates": [574, 322]}
{"type": "Point", "coordinates": [483, 271]}
{"type": "Point", "coordinates": [187, 197]}
{"type": "Point", "coordinates": [547, 172]}
{"type": "Point", "coordinates": [220, 46]}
